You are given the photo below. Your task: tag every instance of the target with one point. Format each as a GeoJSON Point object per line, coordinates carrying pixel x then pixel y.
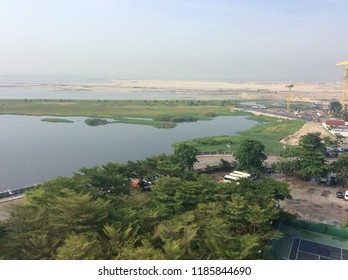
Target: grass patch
{"type": "Point", "coordinates": [56, 120]}
{"type": "Point", "coordinates": [269, 134]}
{"type": "Point", "coordinates": [213, 143]}
{"type": "Point", "coordinates": [175, 119]}
{"type": "Point", "coordinates": [263, 119]}
{"type": "Point", "coordinates": [152, 110]}
{"type": "Point", "coordinates": [139, 121]}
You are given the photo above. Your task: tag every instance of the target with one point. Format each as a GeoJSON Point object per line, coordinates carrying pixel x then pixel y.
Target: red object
{"type": "Point", "coordinates": [135, 183]}
{"type": "Point", "coordinates": [335, 122]}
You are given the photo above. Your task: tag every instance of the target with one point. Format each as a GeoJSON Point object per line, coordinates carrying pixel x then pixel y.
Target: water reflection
{"type": "Point", "coordinates": [32, 151]}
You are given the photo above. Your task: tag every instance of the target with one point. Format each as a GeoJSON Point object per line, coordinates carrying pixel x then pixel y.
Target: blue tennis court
{"type": "Point", "coordinates": [308, 250]}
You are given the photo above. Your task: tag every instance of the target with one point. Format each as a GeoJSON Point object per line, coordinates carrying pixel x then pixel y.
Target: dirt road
{"type": "Point", "coordinates": [213, 160]}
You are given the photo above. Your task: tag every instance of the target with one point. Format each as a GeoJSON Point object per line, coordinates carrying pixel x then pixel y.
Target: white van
{"type": "Point", "coordinates": [240, 174]}
{"type": "Point", "coordinates": [235, 176]}
{"type": "Point", "coordinates": [229, 178]}
{"type": "Point", "coordinates": [346, 195]}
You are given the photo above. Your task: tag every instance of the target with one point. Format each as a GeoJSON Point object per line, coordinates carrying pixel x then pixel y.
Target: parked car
{"type": "Point", "coordinates": [339, 194]}
{"type": "Point", "coordinates": [346, 196]}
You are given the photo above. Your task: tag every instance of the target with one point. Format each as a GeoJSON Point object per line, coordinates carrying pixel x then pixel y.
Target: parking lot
{"type": "Point", "coordinates": [311, 201]}
{"type": "Point", "coordinates": [316, 203]}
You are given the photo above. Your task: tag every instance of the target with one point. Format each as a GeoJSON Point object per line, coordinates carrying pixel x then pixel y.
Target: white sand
{"type": "Point", "coordinates": [309, 127]}
{"type": "Point", "coordinates": [205, 89]}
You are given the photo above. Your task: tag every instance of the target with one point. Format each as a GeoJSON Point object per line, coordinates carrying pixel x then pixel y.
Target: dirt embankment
{"type": "Point", "coordinates": [308, 127]}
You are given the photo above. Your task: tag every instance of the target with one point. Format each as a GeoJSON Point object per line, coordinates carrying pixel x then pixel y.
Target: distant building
{"type": "Point", "coordinates": [336, 126]}
{"type": "Point", "coordinates": [336, 122]}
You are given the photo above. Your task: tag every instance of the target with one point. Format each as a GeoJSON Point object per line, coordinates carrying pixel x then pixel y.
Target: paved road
{"type": "Point", "coordinates": [11, 198]}
{"type": "Point", "coordinates": [212, 160]}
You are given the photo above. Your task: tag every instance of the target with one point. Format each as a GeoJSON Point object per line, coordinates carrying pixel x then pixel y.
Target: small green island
{"type": "Point", "coordinates": [157, 113]}
{"type": "Point", "coordinates": [97, 121]}
{"type": "Point", "coordinates": [57, 120]}
{"type": "Point", "coordinates": [164, 114]}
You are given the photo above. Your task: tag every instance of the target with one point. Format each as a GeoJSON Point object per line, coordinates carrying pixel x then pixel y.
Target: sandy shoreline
{"type": "Point", "coordinates": [203, 89]}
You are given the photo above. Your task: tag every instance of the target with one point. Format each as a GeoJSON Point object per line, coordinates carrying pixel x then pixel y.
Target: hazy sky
{"type": "Point", "coordinates": [250, 40]}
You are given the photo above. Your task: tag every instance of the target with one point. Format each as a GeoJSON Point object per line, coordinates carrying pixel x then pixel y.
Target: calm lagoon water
{"type": "Point", "coordinates": [32, 151]}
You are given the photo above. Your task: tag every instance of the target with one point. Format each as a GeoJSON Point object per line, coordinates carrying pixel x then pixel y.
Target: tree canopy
{"type": "Point", "coordinates": [340, 166]}
{"type": "Point", "coordinates": [250, 155]}
{"type": "Point", "coordinates": [308, 159]}
{"type": "Point", "coordinates": [335, 108]}
{"type": "Point", "coordinates": [186, 155]}
{"type": "Point", "coordinates": [97, 214]}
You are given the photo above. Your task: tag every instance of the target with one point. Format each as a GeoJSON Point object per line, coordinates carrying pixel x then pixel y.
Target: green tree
{"type": "Point", "coordinates": [335, 107]}
{"type": "Point", "coordinates": [191, 217]}
{"type": "Point", "coordinates": [174, 196]}
{"type": "Point", "coordinates": [309, 158]}
{"type": "Point", "coordinates": [177, 237]}
{"type": "Point", "coordinates": [340, 166]}
{"type": "Point", "coordinates": [162, 164]}
{"type": "Point", "coordinates": [186, 155]}
{"type": "Point", "coordinates": [285, 167]}
{"type": "Point", "coordinates": [333, 143]}
{"type": "Point", "coordinates": [345, 115]}
{"type": "Point", "coordinates": [250, 156]}
{"type": "Point", "coordinates": [312, 142]}
{"type": "Point", "coordinates": [145, 251]}
{"type": "Point", "coordinates": [263, 192]}
{"type": "Point", "coordinates": [82, 246]}
{"type": "Point", "coordinates": [38, 227]}
{"type": "Point", "coordinates": [118, 237]}
{"type": "Point", "coordinates": [107, 180]}
{"type": "Point", "coordinates": [235, 229]}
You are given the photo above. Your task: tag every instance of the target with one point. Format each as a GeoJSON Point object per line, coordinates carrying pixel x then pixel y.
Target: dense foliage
{"type": "Point", "coordinates": [250, 156]}
{"type": "Point", "coordinates": [308, 160]}
{"type": "Point", "coordinates": [185, 155]}
{"type": "Point", "coordinates": [340, 166]}
{"type": "Point", "coordinates": [98, 214]}
{"type": "Point", "coordinates": [95, 122]}
{"type": "Point", "coordinates": [269, 132]}
{"type": "Point", "coordinates": [337, 110]}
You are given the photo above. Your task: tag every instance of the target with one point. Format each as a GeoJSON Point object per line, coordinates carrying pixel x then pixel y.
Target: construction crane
{"type": "Point", "coordinates": [345, 83]}
{"type": "Point", "coordinates": [289, 97]}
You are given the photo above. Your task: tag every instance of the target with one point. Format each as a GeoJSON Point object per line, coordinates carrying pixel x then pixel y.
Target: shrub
{"type": "Point", "coordinates": [95, 122]}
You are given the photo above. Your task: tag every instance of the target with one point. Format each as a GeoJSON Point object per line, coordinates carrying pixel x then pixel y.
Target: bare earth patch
{"type": "Point", "coordinates": [315, 203]}
{"type": "Point", "coordinates": [308, 127]}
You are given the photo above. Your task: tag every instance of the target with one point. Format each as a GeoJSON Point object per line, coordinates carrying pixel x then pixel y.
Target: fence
{"type": "Point", "coordinates": [20, 190]}
{"type": "Point", "coordinates": [214, 153]}
{"type": "Point", "coordinates": [321, 228]}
